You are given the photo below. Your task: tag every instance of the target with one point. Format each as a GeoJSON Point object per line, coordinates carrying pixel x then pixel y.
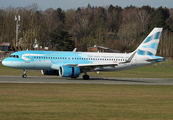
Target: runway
{"type": "Point", "coordinates": [93, 80]}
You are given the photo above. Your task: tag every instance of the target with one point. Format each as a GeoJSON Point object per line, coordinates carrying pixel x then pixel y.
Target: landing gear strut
{"type": "Point", "coordinates": [86, 77]}
{"type": "Point", "coordinates": [24, 74]}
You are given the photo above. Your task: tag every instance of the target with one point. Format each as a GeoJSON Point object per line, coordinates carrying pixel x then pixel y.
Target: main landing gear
{"type": "Point", "coordinates": [86, 77]}
{"type": "Point", "coordinates": [24, 74]}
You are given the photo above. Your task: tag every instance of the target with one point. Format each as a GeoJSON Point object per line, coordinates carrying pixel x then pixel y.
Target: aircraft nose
{"type": "Point", "coordinates": [9, 63]}
{"type": "Point", "coordinates": [4, 62]}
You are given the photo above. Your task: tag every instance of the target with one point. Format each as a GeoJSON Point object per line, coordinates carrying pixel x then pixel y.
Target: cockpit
{"type": "Point", "coordinates": [14, 56]}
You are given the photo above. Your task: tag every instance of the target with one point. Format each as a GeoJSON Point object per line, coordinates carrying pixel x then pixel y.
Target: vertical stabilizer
{"type": "Point", "coordinates": [150, 44]}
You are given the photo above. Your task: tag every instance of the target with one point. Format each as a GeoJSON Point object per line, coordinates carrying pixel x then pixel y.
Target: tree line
{"type": "Point", "coordinates": [112, 26]}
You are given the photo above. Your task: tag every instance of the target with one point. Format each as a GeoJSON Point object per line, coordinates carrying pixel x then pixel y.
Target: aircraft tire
{"type": "Point", "coordinates": [86, 77]}
{"type": "Point", "coordinates": [24, 75]}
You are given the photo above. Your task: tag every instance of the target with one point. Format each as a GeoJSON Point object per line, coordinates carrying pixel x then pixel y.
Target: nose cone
{"type": "Point", "coordinates": [9, 63]}
{"type": "Point", "coordinates": [4, 62]}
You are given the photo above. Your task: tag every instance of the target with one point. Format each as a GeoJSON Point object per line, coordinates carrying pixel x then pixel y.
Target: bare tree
{"type": "Point", "coordinates": [143, 17]}
{"type": "Point", "coordinates": [83, 26]}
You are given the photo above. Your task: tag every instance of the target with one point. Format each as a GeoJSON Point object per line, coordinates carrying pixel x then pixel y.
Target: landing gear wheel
{"type": "Point", "coordinates": [86, 77]}
{"type": "Point", "coordinates": [24, 75]}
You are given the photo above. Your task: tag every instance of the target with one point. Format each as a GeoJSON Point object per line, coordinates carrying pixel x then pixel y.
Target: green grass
{"type": "Point", "coordinates": [160, 70]}
{"type": "Point", "coordinates": [84, 101]}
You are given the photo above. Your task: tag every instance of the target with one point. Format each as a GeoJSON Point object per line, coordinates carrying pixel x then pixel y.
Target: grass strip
{"type": "Point", "coordinates": [83, 101]}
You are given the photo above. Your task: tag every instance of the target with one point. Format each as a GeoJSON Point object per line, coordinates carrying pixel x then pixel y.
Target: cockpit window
{"type": "Point", "coordinates": [14, 56]}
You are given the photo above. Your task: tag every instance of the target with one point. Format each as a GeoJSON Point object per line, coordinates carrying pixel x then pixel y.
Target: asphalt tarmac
{"type": "Point", "coordinates": [93, 80]}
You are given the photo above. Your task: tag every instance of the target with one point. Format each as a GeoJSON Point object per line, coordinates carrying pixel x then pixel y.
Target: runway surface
{"type": "Point", "coordinates": [93, 80]}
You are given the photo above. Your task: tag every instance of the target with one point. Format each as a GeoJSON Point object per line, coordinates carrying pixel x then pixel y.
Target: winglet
{"type": "Point", "coordinates": [74, 50]}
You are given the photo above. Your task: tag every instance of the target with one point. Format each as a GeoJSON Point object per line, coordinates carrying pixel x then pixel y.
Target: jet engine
{"type": "Point", "coordinates": [68, 71]}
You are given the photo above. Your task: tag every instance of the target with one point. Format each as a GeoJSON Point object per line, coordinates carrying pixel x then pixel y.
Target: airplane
{"type": "Point", "coordinates": [72, 64]}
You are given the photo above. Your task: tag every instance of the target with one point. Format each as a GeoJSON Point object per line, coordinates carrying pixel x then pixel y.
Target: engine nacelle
{"type": "Point", "coordinates": [50, 72]}
{"type": "Point", "coordinates": [68, 71]}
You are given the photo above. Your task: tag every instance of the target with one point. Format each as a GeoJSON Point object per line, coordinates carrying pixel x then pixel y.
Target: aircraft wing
{"type": "Point", "coordinates": [97, 64]}
{"type": "Point", "coordinates": [92, 66]}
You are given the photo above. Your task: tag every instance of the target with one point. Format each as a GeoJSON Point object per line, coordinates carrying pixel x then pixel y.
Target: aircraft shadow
{"type": "Point", "coordinates": [113, 79]}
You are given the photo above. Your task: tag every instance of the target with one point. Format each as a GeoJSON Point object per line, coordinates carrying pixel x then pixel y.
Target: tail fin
{"type": "Point", "coordinates": [150, 44]}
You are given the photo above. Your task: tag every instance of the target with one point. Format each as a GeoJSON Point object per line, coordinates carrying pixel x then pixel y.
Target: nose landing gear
{"type": "Point", "coordinates": [24, 74]}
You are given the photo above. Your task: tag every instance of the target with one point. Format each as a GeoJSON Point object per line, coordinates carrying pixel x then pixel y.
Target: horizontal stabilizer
{"type": "Point", "coordinates": [157, 59]}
